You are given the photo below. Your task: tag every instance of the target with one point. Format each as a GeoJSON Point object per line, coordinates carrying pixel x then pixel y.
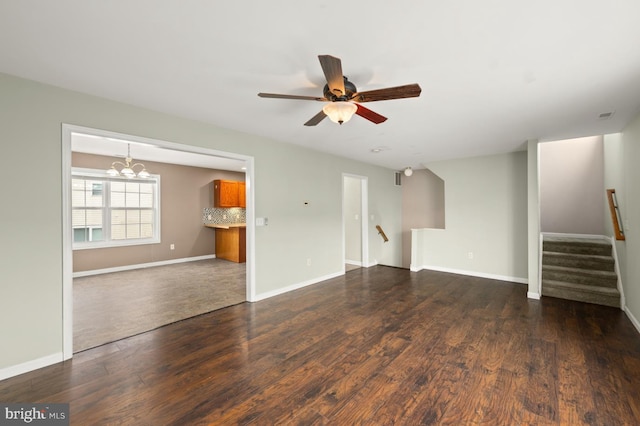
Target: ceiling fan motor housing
{"type": "Point", "coordinates": [349, 88]}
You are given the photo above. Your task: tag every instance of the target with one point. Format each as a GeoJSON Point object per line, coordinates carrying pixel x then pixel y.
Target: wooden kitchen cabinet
{"type": "Point", "coordinates": [242, 195]}
{"type": "Point", "coordinates": [228, 193]}
{"type": "Point", "coordinates": [231, 244]}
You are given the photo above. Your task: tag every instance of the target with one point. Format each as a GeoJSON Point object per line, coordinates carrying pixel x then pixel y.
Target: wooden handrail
{"type": "Point", "coordinates": [381, 233]}
{"type": "Point", "coordinates": [615, 214]}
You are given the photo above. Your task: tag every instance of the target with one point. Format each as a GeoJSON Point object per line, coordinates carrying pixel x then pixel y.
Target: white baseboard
{"type": "Point", "coordinates": [471, 273]}
{"type": "Point", "coordinates": [633, 319]}
{"type": "Point", "coordinates": [353, 262]}
{"type": "Point", "coordinates": [283, 290]}
{"type": "Point", "coordinates": [16, 370]}
{"type": "Point", "coordinates": [564, 235]}
{"type": "Point", "coordinates": [141, 266]}
{"type": "Point", "coordinates": [533, 295]}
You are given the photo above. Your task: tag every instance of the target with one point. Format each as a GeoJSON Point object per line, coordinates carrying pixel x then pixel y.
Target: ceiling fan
{"type": "Point", "coordinates": [342, 97]}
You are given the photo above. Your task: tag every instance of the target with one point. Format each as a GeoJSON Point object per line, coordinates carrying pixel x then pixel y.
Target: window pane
{"type": "Point", "coordinates": [133, 231]}
{"type": "Point", "coordinates": [78, 218]}
{"type": "Point", "coordinates": [146, 188]}
{"type": "Point", "coordinates": [118, 232]}
{"type": "Point", "coordinates": [133, 199]}
{"type": "Point", "coordinates": [146, 200]}
{"type": "Point", "coordinates": [117, 186]}
{"type": "Point", "coordinates": [146, 231]}
{"type": "Point", "coordinates": [79, 235]}
{"type": "Point", "coordinates": [133, 216]}
{"type": "Point", "coordinates": [146, 216]}
{"type": "Point", "coordinates": [118, 217]}
{"type": "Point", "coordinates": [117, 199]}
{"type": "Point", "coordinates": [77, 198]}
{"type": "Point", "coordinates": [97, 234]}
{"type": "Point", "coordinates": [94, 217]}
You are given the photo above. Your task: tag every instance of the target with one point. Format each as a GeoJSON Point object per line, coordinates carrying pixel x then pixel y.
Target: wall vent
{"type": "Point", "coordinates": [398, 178]}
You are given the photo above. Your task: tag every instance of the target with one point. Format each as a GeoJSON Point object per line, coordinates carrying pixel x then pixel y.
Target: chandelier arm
{"type": "Point", "coordinates": [118, 163]}
{"type": "Point", "coordinates": [137, 164]}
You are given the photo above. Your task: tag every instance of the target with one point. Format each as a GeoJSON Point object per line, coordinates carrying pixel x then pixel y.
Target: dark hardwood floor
{"type": "Point", "coordinates": [375, 346]}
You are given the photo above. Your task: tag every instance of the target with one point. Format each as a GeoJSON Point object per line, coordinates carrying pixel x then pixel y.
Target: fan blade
{"type": "Point", "coordinates": [316, 119]}
{"type": "Point", "coordinates": [332, 68]}
{"type": "Point", "coordinates": [279, 96]}
{"type": "Point", "coordinates": [399, 92]}
{"type": "Point", "coordinates": [374, 117]}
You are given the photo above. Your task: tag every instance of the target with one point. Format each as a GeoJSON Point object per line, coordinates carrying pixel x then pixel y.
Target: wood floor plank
{"type": "Point", "coordinates": [376, 346]}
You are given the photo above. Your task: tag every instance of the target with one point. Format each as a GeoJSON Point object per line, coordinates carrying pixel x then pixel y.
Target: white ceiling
{"type": "Point", "coordinates": [493, 73]}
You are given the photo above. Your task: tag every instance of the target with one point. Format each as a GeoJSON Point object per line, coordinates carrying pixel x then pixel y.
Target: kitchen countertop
{"type": "Point", "coordinates": [225, 225]}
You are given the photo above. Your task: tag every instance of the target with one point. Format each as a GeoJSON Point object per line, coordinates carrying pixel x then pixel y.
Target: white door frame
{"type": "Point", "coordinates": [364, 211]}
{"type": "Point", "coordinates": [67, 248]}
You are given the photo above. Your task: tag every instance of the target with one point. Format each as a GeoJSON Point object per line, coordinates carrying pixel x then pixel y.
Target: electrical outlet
{"type": "Point", "coordinates": [172, 247]}
{"type": "Point", "coordinates": [470, 255]}
{"type": "Point", "coordinates": [308, 262]}
{"type": "Point", "coordinates": [224, 216]}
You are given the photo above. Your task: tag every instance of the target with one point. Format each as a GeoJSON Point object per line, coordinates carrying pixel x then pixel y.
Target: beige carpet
{"type": "Point", "coordinates": [109, 307]}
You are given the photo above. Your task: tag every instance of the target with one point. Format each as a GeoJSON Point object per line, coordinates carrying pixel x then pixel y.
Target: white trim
{"type": "Point", "coordinates": [472, 274]}
{"type": "Point", "coordinates": [364, 192]}
{"type": "Point", "coordinates": [532, 295]}
{"type": "Point", "coordinates": [616, 264]}
{"type": "Point", "coordinates": [293, 287]}
{"type": "Point", "coordinates": [633, 319]}
{"type": "Point", "coordinates": [370, 264]}
{"type": "Point", "coordinates": [67, 252]}
{"type": "Point", "coordinates": [141, 266]}
{"type": "Point", "coordinates": [364, 222]}
{"type": "Point", "coordinates": [540, 256]}
{"type": "Point", "coordinates": [25, 367]}
{"type": "Point", "coordinates": [67, 248]}
{"type": "Point", "coordinates": [250, 229]}
{"type": "Point", "coordinates": [584, 236]}
{"type": "Point", "coordinates": [353, 262]}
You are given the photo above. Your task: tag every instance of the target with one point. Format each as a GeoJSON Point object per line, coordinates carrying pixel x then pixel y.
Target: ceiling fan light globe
{"type": "Point", "coordinates": [340, 111]}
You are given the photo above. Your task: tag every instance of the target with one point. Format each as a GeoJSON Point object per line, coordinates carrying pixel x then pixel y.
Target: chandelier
{"type": "Point", "coordinates": [127, 169]}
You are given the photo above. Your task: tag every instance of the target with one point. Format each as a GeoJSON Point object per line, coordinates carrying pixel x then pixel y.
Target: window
{"type": "Point", "coordinates": [108, 212]}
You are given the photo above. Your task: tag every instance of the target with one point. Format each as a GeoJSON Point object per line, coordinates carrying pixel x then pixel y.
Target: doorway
{"type": "Point", "coordinates": [355, 221]}
{"type": "Point", "coordinates": [175, 150]}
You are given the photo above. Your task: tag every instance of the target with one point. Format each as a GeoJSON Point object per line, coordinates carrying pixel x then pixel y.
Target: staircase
{"type": "Point", "coordinates": [581, 269]}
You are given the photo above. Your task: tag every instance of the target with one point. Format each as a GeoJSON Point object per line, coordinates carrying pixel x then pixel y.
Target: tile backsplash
{"type": "Point", "coordinates": [218, 215]}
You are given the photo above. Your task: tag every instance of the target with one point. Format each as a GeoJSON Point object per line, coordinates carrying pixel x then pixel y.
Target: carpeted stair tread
{"type": "Point", "coordinates": [572, 260]}
{"type": "Point", "coordinates": [591, 277]}
{"type": "Point", "coordinates": [596, 246]}
{"type": "Point", "coordinates": [582, 287]}
{"type": "Point", "coordinates": [603, 296]}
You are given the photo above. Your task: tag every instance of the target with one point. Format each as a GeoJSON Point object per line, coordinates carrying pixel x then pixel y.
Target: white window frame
{"type": "Point", "coordinates": [108, 242]}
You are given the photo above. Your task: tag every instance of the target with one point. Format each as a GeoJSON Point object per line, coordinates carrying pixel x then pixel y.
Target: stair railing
{"type": "Point", "coordinates": [615, 214]}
